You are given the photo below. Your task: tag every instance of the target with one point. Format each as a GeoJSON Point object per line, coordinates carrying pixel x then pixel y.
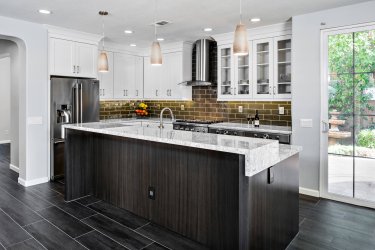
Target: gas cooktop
{"type": "Point", "coordinates": [197, 121]}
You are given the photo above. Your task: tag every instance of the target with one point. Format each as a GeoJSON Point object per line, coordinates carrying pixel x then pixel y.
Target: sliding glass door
{"type": "Point", "coordinates": [348, 115]}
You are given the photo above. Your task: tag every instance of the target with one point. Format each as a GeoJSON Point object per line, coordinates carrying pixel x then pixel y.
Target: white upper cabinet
{"type": "Point", "coordinates": [86, 60]}
{"type": "Point", "coordinates": [162, 82]}
{"type": "Point", "coordinates": [128, 76]}
{"type": "Point", "coordinates": [283, 67]}
{"type": "Point", "coordinates": [106, 80]}
{"type": "Point", "coordinates": [69, 58]}
{"type": "Point", "coordinates": [61, 57]}
{"type": "Point", "coordinates": [263, 69]}
{"type": "Point", "coordinates": [234, 74]}
{"type": "Point", "coordinates": [264, 74]}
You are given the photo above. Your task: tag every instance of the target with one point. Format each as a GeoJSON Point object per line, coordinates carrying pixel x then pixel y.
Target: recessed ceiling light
{"type": "Point", "coordinates": [160, 39]}
{"type": "Point", "coordinates": [133, 45]}
{"type": "Point", "coordinates": [128, 32]}
{"type": "Point", "coordinates": [255, 19]}
{"type": "Point", "coordinates": [46, 12]}
{"type": "Point", "coordinates": [207, 29]}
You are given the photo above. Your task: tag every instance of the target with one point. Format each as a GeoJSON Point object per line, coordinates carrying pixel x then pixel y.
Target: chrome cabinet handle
{"type": "Point", "coordinates": [136, 92]}
{"type": "Point", "coordinates": [235, 91]}
{"type": "Point", "coordinates": [156, 92]}
{"type": "Point", "coordinates": [74, 69]}
{"type": "Point", "coordinates": [274, 90]}
{"type": "Point", "coordinates": [77, 69]}
{"type": "Point", "coordinates": [124, 93]}
{"type": "Point", "coordinates": [325, 127]}
{"type": "Point", "coordinates": [103, 92]}
{"type": "Point", "coordinates": [170, 92]}
{"type": "Point", "coordinates": [100, 92]}
{"type": "Point", "coordinates": [270, 91]}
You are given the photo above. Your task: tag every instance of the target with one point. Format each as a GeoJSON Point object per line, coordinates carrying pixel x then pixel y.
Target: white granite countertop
{"type": "Point", "coordinates": [259, 154]}
{"type": "Point", "coordinates": [127, 120]}
{"type": "Point", "coordinates": [246, 127]}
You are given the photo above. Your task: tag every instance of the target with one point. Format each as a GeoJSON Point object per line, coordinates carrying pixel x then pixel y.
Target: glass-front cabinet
{"type": "Point", "coordinates": [225, 71]}
{"type": "Point", "coordinates": [234, 74]}
{"type": "Point", "coordinates": [263, 68]}
{"type": "Point", "coordinates": [283, 67]}
{"type": "Point", "coordinates": [265, 73]}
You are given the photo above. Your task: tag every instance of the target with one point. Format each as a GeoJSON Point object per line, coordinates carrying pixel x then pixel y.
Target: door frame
{"type": "Point", "coordinates": [323, 180]}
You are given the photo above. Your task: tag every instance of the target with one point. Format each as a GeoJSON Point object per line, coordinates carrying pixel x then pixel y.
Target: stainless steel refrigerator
{"type": "Point", "coordinates": [72, 101]}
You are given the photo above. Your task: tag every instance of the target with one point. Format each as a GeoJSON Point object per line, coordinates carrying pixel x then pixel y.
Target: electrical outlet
{"type": "Point", "coordinates": [182, 107]}
{"type": "Point", "coordinates": [306, 123]}
{"type": "Point", "coordinates": [158, 106]}
{"type": "Point", "coordinates": [240, 109]}
{"type": "Point", "coordinates": [281, 111]}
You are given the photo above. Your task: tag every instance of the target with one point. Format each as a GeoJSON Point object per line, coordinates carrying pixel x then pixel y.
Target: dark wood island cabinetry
{"type": "Point", "coordinates": [201, 194]}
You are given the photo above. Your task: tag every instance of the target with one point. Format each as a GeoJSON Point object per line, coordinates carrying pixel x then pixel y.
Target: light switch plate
{"type": "Point", "coordinates": [240, 109]}
{"type": "Point", "coordinates": [182, 107]}
{"type": "Point", "coordinates": [281, 111]}
{"type": "Point", "coordinates": [306, 123]}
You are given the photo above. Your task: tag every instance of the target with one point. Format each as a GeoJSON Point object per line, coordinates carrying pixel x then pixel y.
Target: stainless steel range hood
{"type": "Point", "coordinates": [202, 65]}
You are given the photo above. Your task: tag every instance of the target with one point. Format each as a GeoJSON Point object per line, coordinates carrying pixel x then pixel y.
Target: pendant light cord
{"type": "Point", "coordinates": [156, 3]}
{"type": "Point", "coordinates": [240, 11]}
{"type": "Point", "coordinates": [103, 32]}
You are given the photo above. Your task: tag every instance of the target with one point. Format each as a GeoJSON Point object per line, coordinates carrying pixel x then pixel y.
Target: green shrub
{"type": "Point", "coordinates": [366, 138]}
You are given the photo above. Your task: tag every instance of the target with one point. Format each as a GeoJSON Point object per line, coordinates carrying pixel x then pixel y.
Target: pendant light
{"type": "Point", "coordinates": [103, 58]}
{"type": "Point", "coordinates": [240, 43]}
{"type": "Point", "coordinates": [156, 58]}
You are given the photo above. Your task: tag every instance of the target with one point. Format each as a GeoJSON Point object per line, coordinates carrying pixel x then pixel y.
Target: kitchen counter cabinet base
{"type": "Point", "coordinates": [201, 194]}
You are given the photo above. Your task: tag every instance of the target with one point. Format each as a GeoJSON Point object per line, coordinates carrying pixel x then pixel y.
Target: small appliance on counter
{"type": "Point", "coordinates": [72, 101]}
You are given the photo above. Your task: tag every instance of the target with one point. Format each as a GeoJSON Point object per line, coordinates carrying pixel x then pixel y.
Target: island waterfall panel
{"type": "Point", "coordinates": [201, 194]}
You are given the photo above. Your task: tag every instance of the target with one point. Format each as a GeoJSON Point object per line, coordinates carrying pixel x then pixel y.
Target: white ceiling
{"type": "Point", "coordinates": [188, 17]}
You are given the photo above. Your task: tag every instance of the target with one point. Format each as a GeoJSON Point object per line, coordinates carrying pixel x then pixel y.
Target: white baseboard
{"type": "Point", "coordinates": [32, 182]}
{"type": "Point", "coordinates": [14, 168]}
{"type": "Point", "coordinates": [5, 142]}
{"type": "Point", "coordinates": [310, 192]}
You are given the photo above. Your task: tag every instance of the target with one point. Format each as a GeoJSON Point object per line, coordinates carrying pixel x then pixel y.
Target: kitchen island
{"type": "Point", "coordinates": [223, 191]}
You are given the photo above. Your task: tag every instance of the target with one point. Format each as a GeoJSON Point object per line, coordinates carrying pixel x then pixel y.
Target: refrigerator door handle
{"type": "Point", "coordinates": [75, 104]}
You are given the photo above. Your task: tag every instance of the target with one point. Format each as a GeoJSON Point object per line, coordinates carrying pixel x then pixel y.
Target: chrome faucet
{"type": "Point", "coordinates": [161, 116]}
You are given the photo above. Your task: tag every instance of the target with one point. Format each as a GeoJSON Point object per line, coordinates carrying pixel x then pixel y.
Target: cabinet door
{"type": "Point", "coordinates": [243, 76]}
{"type": "Point", "coordinates": [124, 75]}
{"type": "Point", "coordinates": [225, 74]}
{"type": "Point", "coordinates": [106, 80]}
{"type": "Point", "coordinates": [175, 70]}
{"type": "Point", "coordinates": [86, 60]}
{"type": "Point", "coordinates": [138, 88]}
{"type": "Point", "coordinates": [152, 80]}
{"type": "Point", "coordinates": [61, 57]}
{"type": "Point", "coordinates": [263, 69]}
{"type": "Point", "coordinates": [283, 67]}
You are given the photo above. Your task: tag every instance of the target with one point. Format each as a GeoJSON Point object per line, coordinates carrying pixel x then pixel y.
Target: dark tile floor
{"type": "Point", "coordinates": [38, 218]}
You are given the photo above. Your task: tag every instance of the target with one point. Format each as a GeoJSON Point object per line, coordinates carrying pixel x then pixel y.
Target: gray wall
{"type": "Point", "coordinates": [4, 97]}
{"type": "Point", "coordinates": [11, 48]}
{"type": "Point", "coordinates": [306, 77]}
{"type": "Point", "coordinates": [32, 42]}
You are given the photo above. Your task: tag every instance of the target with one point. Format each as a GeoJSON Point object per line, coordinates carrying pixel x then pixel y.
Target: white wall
{"type": "Point", "coordinates": [4, 97]}
{"type": "Point", "coordinates": [16, 64]}
{"type": "Point", "coordinates": [32, 43]}
{"type": "Point", "coordinates": [306, 78]}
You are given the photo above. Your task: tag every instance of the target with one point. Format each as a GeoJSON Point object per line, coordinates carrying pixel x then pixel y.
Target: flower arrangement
{"type": "Point", "coordinates": [141, 110]}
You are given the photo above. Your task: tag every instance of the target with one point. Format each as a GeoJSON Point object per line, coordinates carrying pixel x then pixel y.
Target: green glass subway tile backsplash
{"type": "Point", "coordinates": [204, 106]}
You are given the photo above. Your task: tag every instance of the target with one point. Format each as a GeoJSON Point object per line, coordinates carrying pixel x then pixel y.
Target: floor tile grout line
{"type": "Point", "coordinates": [84, 233]}
{"type": "Point", "coordinates": [147, 245]}
{"type": "Point", "coordinates": [142, 226]}
{"type": "Point", "coordinates": [144, 236]}
{"type": "Point", "coordinates": [64, 232]}
{"type": "Point", "coordinates": [2, 245]}
{"type": "Point", "coordinates": [92, 203]}
{"type": "Point", "coordinates": [109, 237]}
{"type": "Point", "coordinates": [25, 203]}
{"type": "Point", "coordinates": [34, 222]}
{"type": "Point", "coordinates": [32, 237]}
